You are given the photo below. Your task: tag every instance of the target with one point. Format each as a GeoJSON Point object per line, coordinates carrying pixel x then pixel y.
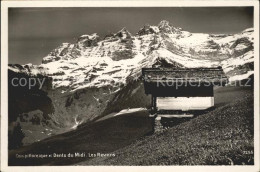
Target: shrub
{"type": "Point", "coordinates": [15, 136]}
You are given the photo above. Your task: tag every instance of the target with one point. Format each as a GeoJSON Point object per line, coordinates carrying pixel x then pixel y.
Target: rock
{"type": "Point", "coordinates": [87, 41]}
{"type": "Point", "coordinates": [166, 27]}
{"type": "Point", "coordinates": [147, 29]}
{"type": "Point", "coordinates": [123, 33]}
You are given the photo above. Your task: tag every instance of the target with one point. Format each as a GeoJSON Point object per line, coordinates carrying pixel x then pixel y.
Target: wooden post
{"type": "Point", "coordinates": [154, 108]}
{"type": "Point", "coordinates": [153, 104]}
{"type": "Point", "coordinates": [158, 127]}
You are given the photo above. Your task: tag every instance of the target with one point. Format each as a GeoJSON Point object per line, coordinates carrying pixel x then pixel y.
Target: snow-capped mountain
{"type": "Point", "coordinates": [97, 62]}
{"type": "Point", "coordinates": [91, 75]}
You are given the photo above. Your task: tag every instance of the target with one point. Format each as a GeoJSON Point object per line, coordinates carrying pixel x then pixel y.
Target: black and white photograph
{"type": "Point", "coordinates": [130, 85]}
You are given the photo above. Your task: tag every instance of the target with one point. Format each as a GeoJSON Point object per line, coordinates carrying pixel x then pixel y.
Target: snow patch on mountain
{"type": "Point", "coordinates": [241, 77]}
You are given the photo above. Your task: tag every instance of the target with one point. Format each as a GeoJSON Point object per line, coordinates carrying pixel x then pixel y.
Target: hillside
{"type": "Point", "coordinates": [220, 135]}
{"type": "Point", "coordinates": [224, 136]}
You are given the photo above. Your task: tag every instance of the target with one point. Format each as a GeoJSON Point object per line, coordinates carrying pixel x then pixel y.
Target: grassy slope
{"type": "Point", "coordinates": [182, 144]}
{"type": "Point", "coordinates": [218, 137]}
{"type": "Point", "coordinates": [103, 136]}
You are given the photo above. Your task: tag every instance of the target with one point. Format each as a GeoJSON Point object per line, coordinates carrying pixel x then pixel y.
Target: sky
{"type": "Point", "coordinates": [34, 32]}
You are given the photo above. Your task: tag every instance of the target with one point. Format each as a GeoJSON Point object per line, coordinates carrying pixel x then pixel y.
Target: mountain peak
{"type": "Point", "coordinates": [87, 40]}
{"type": "Point", "coordinates": [123, 33]}
{"type": "Point", "coordinates": [148, 29]}
{"type": "Point", "coordinates": [164, 23]}
{"type": "Point", "coordinates": [57, 53]}
{"type": "Point", "coordinates": [248, 30]}
{"type": "Point", "coordinates": [165, 26]}
{"type": "Point", "coordinates": [92, 36]}
{"type": "Point", "coordinates": [123, 30]}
